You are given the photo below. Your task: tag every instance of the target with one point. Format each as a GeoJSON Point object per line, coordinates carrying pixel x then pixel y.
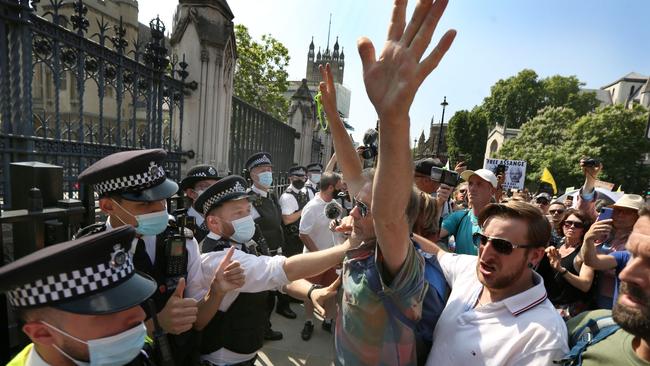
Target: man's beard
{"type": "Point", "coordinates": [503, 281]}
{"type": "Point", "coordinates": [634, 321]}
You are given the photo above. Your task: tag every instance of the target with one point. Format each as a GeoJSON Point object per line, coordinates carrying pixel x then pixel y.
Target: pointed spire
{"type": "Point", "coordinates": [318, 55]}
{"type": "Point", "coordinates": [311, 45]}
{"type": "Point", "coordinates": [342, 57]}
{"type": "Point", "coordinates": [335, 55]}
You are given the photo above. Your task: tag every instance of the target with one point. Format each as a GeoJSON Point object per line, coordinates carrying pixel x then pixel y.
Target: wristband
{"type": "Point", "coordinates": [312, 288]}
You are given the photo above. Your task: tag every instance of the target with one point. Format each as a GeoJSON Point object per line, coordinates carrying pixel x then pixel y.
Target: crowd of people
{"type": "Point", "coordinates": [431, 270]}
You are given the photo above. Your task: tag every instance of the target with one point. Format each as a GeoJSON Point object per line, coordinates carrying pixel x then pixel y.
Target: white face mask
{"type": "Point", "coordinates": [315, 178]}
{"type": "Point", "coordinates": [116, 350]}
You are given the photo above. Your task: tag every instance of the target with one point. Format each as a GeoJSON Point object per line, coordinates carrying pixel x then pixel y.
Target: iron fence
{"type": "Point", "coordinates": [50, 121]}
{"type": "Point", "coordinates": [252, 131]}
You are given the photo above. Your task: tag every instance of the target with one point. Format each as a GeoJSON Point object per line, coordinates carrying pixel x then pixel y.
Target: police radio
{"type": "Point", "coordinates": [176, 256]}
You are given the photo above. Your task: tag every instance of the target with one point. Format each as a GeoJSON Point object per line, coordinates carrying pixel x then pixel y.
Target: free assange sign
{"type": "Point", "coordinates": [514, 171]}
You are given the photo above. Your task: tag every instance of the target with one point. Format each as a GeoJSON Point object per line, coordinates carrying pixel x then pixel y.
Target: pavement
{"type": "Point", "coordinates": [292, 350]}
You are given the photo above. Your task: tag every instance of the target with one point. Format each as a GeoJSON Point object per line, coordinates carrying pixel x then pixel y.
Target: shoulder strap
{"type": "Point", "coordinates": [591, 333]}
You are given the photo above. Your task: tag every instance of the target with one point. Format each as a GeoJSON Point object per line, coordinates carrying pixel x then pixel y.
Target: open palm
{"type": "Point", "coordinates": [392, 79]}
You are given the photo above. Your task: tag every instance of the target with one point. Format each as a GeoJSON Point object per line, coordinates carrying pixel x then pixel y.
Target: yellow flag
{"type": "Point", "coordinates": [548, 178]}
{"type": "Point", "coordinates": [619, 188]}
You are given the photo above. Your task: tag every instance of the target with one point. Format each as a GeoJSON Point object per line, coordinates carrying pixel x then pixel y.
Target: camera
{"type": "Point", "coordinates": [445, 176]}
{"type": "Point", "coordinates": [370, 148]}
{"type": "Point", "coordinates": [590, 162]}
{"type": "Point", "coordinates": [500, 170]}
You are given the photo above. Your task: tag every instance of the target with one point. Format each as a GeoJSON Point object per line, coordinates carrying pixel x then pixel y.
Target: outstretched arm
{"type": "Point", "coordinates": [346, 155]}
{"type": "Point", "coordinates": [599, 262]}
{"type": "Point", "coordinates": [391, 83]}
{"type": "Point", "coordinates": [312, 263]}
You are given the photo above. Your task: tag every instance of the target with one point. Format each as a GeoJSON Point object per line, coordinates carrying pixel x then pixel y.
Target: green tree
{"type": "Point", "coordinates": [538, 144]}
{"type": "Point", "coordinates": [467, 136]}
{"type": "Point", "coordinates": [517, 99]}
{"type": "Point", "coordinates": [261, 72]}
{"type": "Point", "coordinates": [616, 136]}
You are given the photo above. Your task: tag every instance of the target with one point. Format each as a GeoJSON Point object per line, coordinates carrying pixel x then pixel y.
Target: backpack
{"type": "Point", "coordinates": [591, 333]}
{"type": "Point", "coordinates": [436, 295]}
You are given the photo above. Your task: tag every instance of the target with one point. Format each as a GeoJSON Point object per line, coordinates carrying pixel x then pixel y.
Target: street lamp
{"type": "Point", "coordinates": [444, 105]}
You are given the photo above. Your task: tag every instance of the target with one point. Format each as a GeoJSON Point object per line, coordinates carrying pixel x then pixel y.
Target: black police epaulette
{"type": "Point", "coordinates": [90, 230]}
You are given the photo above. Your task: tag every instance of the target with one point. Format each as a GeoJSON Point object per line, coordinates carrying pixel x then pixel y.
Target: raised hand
{"type": "Point", "coordinates": [392, 79]}
{"type": "Point", "coordinates": [229, 275]}
{"type": "Point", "coordinates": [327, 91]}
{"type": "Point", "coordinates": [179, 314]}
{"type": "Point", "coordinates": [599, 231]}
{"type": "Point", "coordinates": [554, 258]}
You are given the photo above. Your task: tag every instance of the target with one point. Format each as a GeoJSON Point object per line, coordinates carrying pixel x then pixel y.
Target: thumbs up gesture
{"type": "Point", "coordinates": [179, 314]}
{"type": "Point", "coordinates": [229, 275]}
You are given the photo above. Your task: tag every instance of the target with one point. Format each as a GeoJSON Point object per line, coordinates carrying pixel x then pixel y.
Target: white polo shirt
{"type": "Point", "coordinates": [524, 329]}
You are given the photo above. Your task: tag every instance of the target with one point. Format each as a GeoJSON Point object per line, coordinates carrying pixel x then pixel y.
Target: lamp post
{"type": "Point", "coordinates": [415, 146]}
{"type": "Point", "coordinates": [444, 105]}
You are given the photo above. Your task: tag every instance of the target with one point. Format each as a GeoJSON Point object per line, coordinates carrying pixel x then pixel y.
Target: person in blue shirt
{"type": "Point", "coordinates": [463, 224]}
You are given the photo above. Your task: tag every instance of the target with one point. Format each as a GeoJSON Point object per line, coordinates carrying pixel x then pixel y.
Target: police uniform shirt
{"type": "Point", "coordinates": [194, 273]}
{"type": "Point", "coordinates": [311, 187]}
{"type": "Point", "coordinates": [262, 273]}
{"type": "Point", "coordinates": [197, 216]}
{"type": "Point", "coordinates": [261, 193]}
{"type": "Point", "coordinates": [288, 202]}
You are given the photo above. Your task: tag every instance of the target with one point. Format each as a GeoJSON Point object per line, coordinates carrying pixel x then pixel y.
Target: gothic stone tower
{"type": "Point", "coordinates": [334, 58]}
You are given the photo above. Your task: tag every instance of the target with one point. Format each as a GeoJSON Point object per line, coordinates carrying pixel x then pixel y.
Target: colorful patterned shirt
{"type": "Point", "coordinates": [365, 334]}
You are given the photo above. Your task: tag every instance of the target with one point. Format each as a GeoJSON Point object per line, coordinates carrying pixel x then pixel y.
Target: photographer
{"type": "Point", "coordinates": [428, 176]}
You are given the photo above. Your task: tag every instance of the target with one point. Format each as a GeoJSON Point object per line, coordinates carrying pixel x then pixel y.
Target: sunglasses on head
{"type": "Point", "coordinates": [363, 208]}
{"type": "Point", "coordinates": [502, 246]}
{"type": "Point", "coordinates": [462, 190]}
{"type": "Point", "coordinates": [575, 224]}
{"type": "Point", "coordinates": [542, 201]}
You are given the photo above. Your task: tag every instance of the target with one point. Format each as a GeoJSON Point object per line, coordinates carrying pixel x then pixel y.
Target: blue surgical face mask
{"type": "Point", "coordinates": [244, 229]}
{"type": "Point", "coordinates": [149, 224]}
{"type": "Point", "coordinates": [315, 178]}
{"type": "Point", "coordinates": [116, 350]}
{"type": "Point", "coordinates": [265, 178]}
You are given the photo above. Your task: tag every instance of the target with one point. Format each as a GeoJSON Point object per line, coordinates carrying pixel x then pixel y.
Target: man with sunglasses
{"type": "Point", "coordinates": [555, 211]}
{"type": "Point", "coordinates": [542, 201]}
{"type": "Point", "coordinates": [498, 312]}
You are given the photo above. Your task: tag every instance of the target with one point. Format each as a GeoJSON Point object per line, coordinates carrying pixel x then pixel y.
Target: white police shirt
{"type": "Point", "coordinates": [194, 272]}
{"type": "Point", "coordinates": [262, 273]}
{"type": "Point", "coordinates": [523, 329]}
{"type": "Point", "coordinates": [198, 218]}
{"type": "Point", "coordinates": [288, 202]}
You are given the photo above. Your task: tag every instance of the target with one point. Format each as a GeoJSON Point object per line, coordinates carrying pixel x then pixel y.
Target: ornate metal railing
{"type": "Point", "coordinates": [252, 130]}
{"type": "Point", "coordinates": [68, 98]}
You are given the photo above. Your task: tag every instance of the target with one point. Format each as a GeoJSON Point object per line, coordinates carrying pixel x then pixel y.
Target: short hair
{"type": "Point", "coordinates": [645, 210]}
{"type": "Point", "coordinates": [427, 212]}
{"type": "Point", "coordinates": [329, 179]}
{"type": "Point", "coordinates": [557, 203]}
{"type": "Point", "coordinates": [539, 229]}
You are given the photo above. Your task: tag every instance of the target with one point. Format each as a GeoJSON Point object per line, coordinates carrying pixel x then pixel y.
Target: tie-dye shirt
{"type": "Point", "coordinates": [364, 333]}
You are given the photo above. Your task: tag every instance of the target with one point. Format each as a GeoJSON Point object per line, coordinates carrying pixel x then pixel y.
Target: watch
{"type": "Point", "coordinates": [312, 288]}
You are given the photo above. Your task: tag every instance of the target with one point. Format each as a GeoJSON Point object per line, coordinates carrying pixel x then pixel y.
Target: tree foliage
{"type": "Point", "coordinates": [517, 99]}
{"type": "Point", "coordinates": [261, 72]}
{"type": "Point", "coordinates": [557, 138]}
{"type": "Point", "coordinates": [467, 136]}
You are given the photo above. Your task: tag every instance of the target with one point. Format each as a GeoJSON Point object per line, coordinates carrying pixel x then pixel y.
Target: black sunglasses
{"type": "Point", "coordinates": [502, 246]}
{"type": "Point", "coordinates": [575, 224]}
{"type": "Point", "coordinates": [363, 208]}
{"type": "Point", "coordinates": [553, 212]}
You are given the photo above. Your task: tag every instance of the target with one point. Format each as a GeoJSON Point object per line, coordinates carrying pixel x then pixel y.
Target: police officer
{"type": "Point", "coordinates": [80, 302]}
{"type": "Point", "coordinates": [235, 333]}
{"type": "Point", "coordinates": [132, 189]}
{"type": "Point", "coordinates": [197, 180]}
{"type": "Point", "coordinates": [314, 172]}
{"type": "Point", "coordinates": [267, 214]}
{"type": "Point", "coordinates": [292, 201]}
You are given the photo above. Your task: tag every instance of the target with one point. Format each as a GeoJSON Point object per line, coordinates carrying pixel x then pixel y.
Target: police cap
{"type": "Point", "coordinates": [92, 275]}
{"type": "Point", "coordinates": [230, 188]}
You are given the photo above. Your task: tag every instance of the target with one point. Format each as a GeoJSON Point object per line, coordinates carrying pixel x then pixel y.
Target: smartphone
{"type": "Point", "coordinates": [605, 214]}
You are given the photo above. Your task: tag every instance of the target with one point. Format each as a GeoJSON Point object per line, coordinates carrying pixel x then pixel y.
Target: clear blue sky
{"type": "Point", "coordinates": [599, 41]}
